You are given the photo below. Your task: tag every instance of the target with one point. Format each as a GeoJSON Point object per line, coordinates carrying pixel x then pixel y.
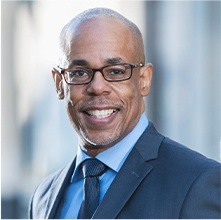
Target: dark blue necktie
{"type": "Point", "coordinates": [92, 169]}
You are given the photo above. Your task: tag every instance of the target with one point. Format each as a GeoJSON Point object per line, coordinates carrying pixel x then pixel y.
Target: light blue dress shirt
{"type": "Point", "coordinates": [114, 158]}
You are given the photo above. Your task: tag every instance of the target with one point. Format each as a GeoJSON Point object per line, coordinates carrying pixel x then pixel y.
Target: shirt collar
{"type": "Point", "coordinates": [115, 156]}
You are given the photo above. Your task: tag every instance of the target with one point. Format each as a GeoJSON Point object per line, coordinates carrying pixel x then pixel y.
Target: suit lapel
{"type": "Point", "coordinates": [57, 189]}
{"type": "Point", "coordinates": [134, 170]}
{"type": "Point", "coordinates": [125, 183]}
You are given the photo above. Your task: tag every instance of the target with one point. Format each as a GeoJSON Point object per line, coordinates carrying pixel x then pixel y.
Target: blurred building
{"type": "Point", "coordinates": [182, 40]}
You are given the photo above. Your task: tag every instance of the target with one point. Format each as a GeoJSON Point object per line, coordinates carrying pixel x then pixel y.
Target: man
{"type": "Point", "coordinates": [103, 79]}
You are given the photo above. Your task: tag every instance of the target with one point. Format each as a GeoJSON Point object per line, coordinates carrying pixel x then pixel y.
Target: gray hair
{"type": "Point", "coordinates": [66, 32]}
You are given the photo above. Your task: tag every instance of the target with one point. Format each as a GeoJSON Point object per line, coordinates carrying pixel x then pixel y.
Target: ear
{"type": "Point", "coordinates": [145, 79]}
{"type": "Point", "coordinates": [58, 83]}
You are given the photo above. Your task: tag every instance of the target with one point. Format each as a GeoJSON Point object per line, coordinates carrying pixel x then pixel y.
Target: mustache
{"type": "Point", "coordinates": [99, 102]}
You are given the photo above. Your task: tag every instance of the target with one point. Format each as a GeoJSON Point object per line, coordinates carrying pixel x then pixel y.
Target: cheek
{"type": "Point", "coordinates": [72, 95]}
{"type": "Point", "coordinates": [72, 98]}
{"type": "Point", "coordinates": [130, 95]}
{"type": "Point", "coordinates": [133, 106]}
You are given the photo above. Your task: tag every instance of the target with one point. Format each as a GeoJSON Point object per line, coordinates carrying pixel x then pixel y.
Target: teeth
{"type": "Point", "coordinates": [101, 113]}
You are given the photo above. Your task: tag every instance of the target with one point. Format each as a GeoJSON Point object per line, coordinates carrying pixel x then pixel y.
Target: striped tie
{"type": "Point", "coordinates": [92, 169]}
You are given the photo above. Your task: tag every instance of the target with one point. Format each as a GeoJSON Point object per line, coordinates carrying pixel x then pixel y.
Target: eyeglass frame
{"type": "Point", "coordinates": [132, 66]}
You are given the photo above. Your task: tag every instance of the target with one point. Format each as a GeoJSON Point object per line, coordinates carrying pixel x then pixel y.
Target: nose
{"type": "Point", "coordinates": [98, 85]}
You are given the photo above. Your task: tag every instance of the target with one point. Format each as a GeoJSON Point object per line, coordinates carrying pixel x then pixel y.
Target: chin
{"type": "Point", "coordinates": [103, 142]}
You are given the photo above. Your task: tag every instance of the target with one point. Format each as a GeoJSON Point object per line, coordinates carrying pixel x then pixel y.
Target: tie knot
{"type": "Point", "coordinates": [93, 167]}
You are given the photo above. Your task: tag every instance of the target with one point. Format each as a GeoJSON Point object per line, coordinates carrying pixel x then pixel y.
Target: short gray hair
{"type": "Point", "coordinates": [89, 14]}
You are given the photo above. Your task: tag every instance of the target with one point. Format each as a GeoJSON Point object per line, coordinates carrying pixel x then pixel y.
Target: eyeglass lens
{"type": "Point", "coordinates": [81, 75]}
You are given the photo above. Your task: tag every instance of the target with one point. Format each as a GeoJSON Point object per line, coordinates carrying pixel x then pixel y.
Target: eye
{"type": "Point", "coordinates": [116, 71]}
{"type": "Point", "coordinates": [77, 73]}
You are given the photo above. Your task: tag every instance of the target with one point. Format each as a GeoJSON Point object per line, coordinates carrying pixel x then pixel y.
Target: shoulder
{"type": "Point", "coordinates": [172, 154]}
{"type": "Point", "coordinates": [183, 157]}
{"type": "Point", "coordinates": [179, 166]}
{"type": "Point", "coordinates": [41, 194]}
{"type": "Point", "coordinates": [195, 177]}
{"type": "Point", "coordinates": [48, 191]}
{"type": "Point", "coordinates": [192, 177]}
{"type": "Point", "coordinates": [45, 185]}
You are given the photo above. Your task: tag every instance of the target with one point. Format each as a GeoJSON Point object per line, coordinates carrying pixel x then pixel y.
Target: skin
{"type": "Point", "coordinates": [94, 45]}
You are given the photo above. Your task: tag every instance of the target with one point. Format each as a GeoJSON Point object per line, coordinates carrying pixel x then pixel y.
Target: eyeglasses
{"type": "Point", "coordinates": [79, 75]}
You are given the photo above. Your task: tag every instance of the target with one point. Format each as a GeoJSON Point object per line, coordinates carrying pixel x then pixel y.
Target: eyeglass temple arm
{"type": "Point", "coordinates": [139, 65]}
{"type": "Point", "coordinates": [59, 69]}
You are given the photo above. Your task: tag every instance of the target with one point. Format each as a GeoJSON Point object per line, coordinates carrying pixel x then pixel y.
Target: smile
{"type": "Point", "coordinates": [101, 113]}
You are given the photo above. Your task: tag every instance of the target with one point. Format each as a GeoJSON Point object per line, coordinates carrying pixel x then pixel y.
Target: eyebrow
{"type": "Point", "coordinates": [85, 63]}
{"type": "Point", "coordinates": [78, 63]}
{"type": "Point", "coordinates": [113, 60]}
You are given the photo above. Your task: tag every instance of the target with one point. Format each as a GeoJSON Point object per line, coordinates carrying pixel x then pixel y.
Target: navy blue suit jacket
{"type": "Point", "coordinates": [159, 179]}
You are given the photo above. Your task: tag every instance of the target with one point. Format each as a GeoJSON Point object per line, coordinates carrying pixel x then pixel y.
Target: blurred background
{"type": "Point", "coordinates": [182, 41]}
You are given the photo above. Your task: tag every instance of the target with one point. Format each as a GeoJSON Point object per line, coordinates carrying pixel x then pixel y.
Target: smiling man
{"type": "Point", "coordinates": [123, 168]}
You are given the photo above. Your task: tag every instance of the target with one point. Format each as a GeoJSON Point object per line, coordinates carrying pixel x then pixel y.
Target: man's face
{"type": "Point", "coordinates": [103, 112]}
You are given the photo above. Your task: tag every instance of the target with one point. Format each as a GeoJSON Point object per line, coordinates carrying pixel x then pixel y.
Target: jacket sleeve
{"type": "Point", "coordinates": [203, 200]}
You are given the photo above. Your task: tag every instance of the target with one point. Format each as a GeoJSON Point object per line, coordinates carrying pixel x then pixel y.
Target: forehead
{"type": "Point", "coordinates": [101, 38]}
{"type": "Point", "coordinates": [104, 23]}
